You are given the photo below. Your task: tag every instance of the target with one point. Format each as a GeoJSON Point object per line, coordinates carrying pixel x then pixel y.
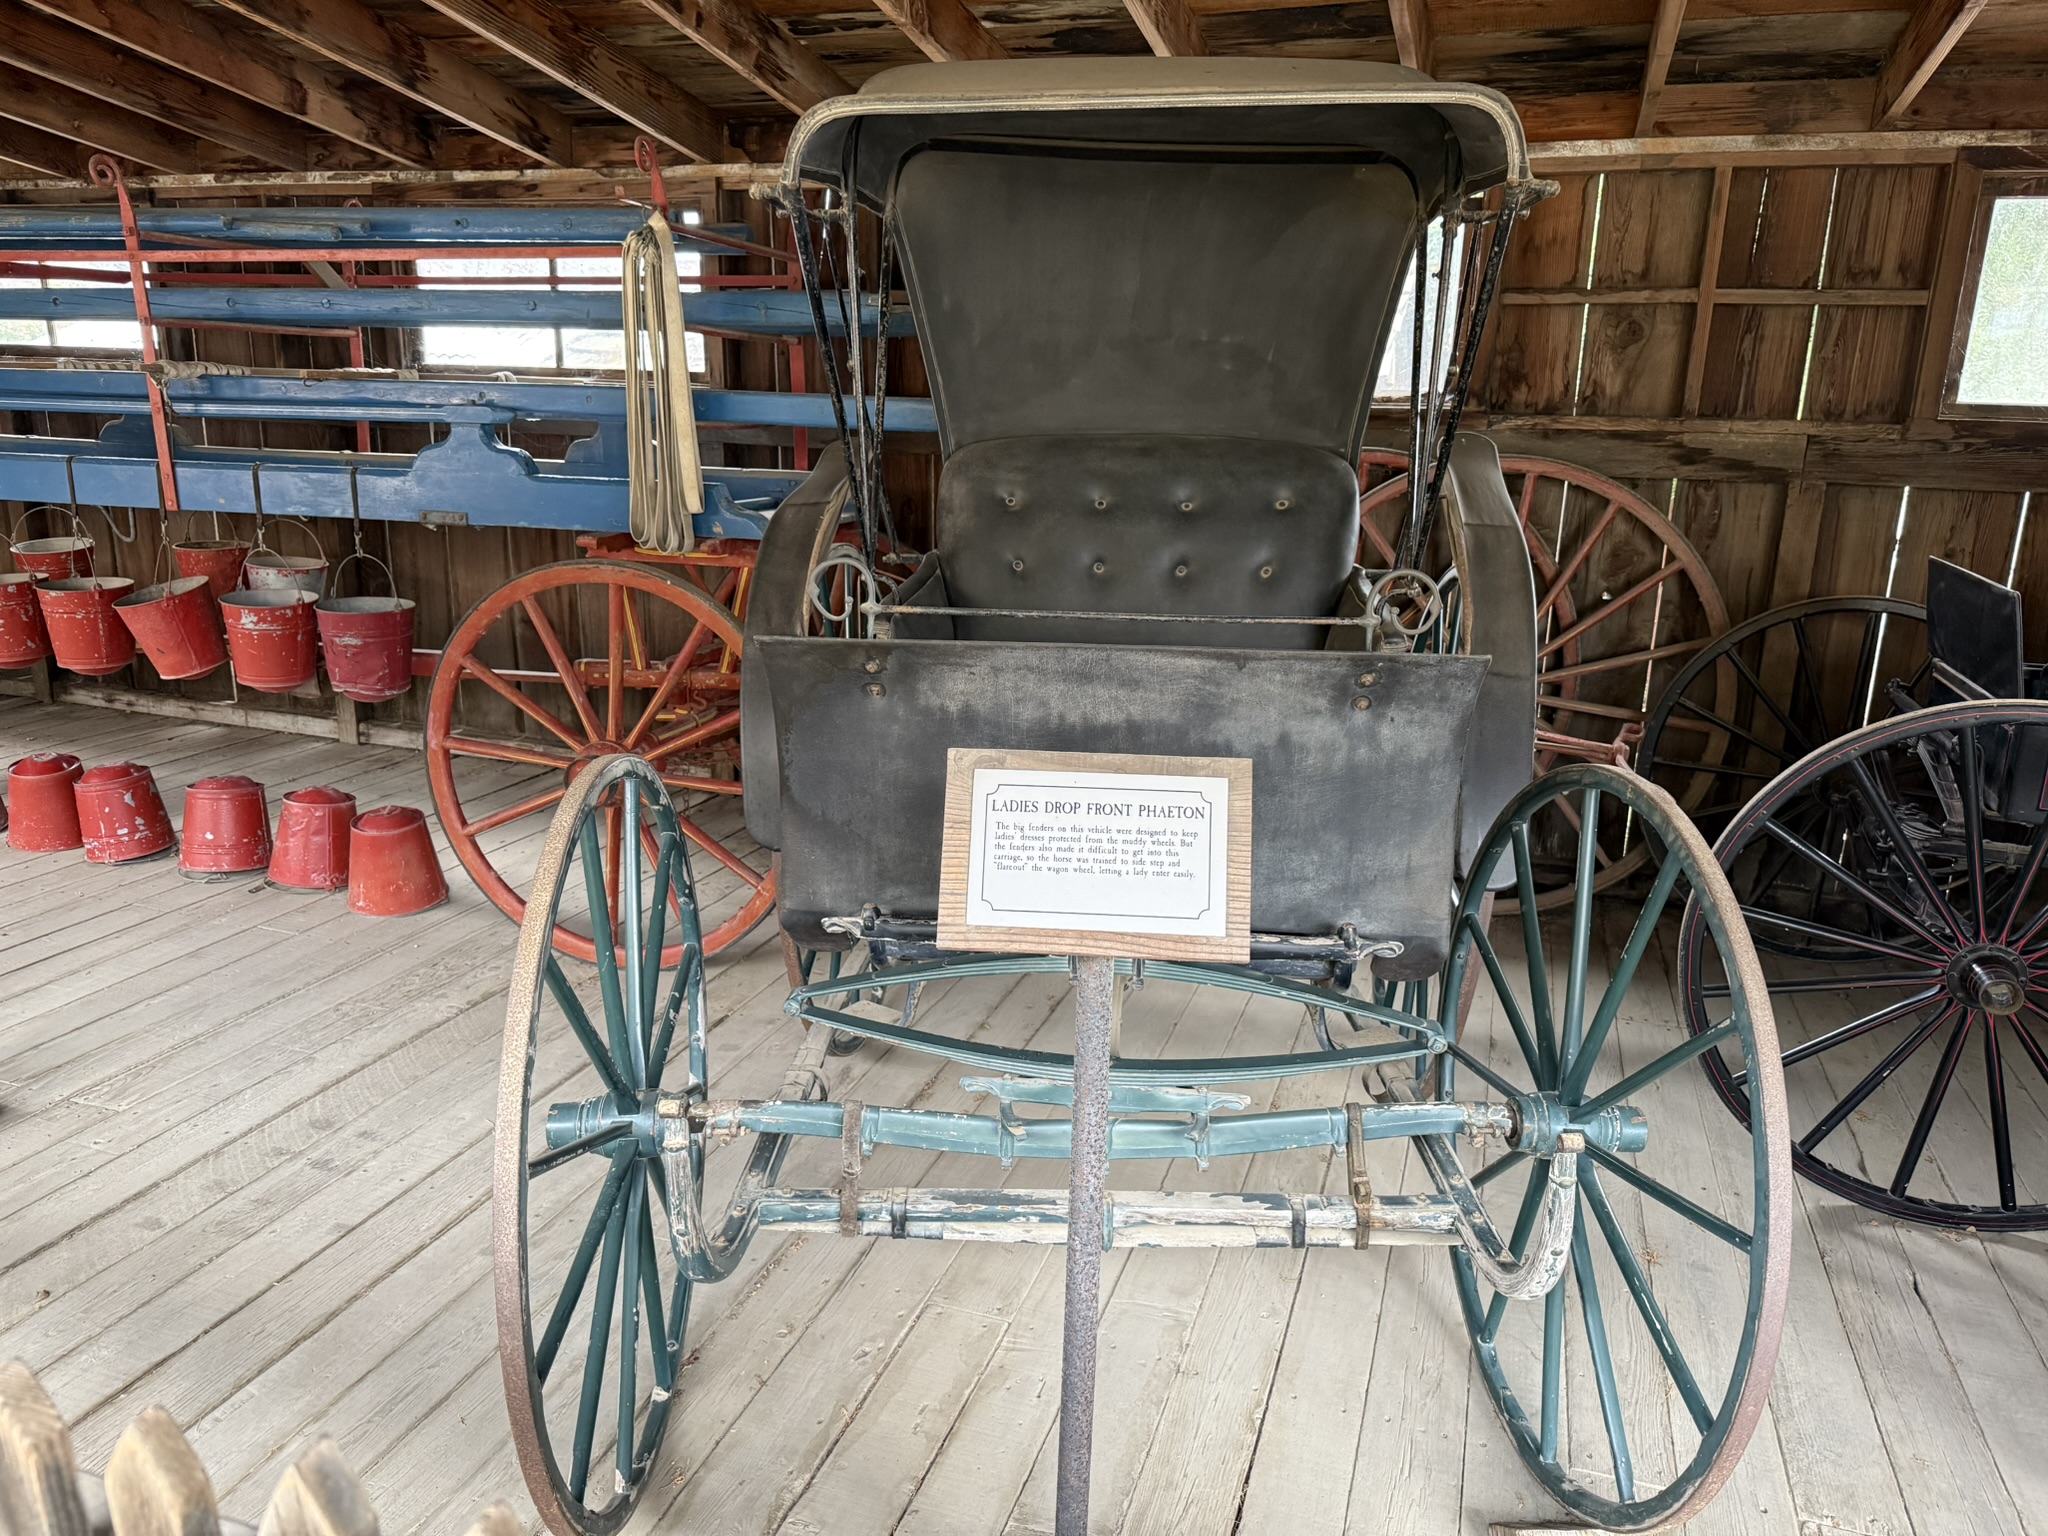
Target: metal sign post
{"type": "Point", "coordinates": [1094, 1031]}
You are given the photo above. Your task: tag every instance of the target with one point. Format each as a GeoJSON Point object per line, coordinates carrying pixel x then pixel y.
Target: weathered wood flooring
{"type": "Point", "coordinates": [243, 1174]}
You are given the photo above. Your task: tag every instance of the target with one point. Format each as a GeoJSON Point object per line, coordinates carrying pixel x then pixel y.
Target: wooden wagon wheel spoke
{"type": "Point", "coordinates": [615, 662]}
{"type": "Point", "coordinates": [1592, 711]}
{"type": "Point", "coordinates": [1622, 662]}
{"type": "Point", "coordinates": [701, 786]}
{"type": "Point", "coordinates": [526, 706]}
{"type": "Point", "coordinates": [1645, 1298]}
{"type": "Point", "coordinates": [533, 805]}
{"type": "Point", "coordinates": [507, 752]}
{"type": "Point", "coordinates": [1609, 609]}
{"type": "Point", "coordinates": [720, 852]}
{"type": "Point", "coordinates": [565, 669]}
{"type": "Point", "coordinates": [1930, 1106]}
{"type": "Point", "coordinates": [1673, 1201]}
{"type": "Point", "coordinates": [1598, 1347]}
{"type": "Point", "coordinates": [1570, 568]}
{"type": "Point", "coordinates": [1856, 1029]}
{"type": "Point", "coordinates": [2037, 851]}
{"type": "Point", "coordinates": [697, 735]}
{"type": "Point", "coordinates": [679, 712]}
{"type": "Point", "coordinates": [594, 1231]}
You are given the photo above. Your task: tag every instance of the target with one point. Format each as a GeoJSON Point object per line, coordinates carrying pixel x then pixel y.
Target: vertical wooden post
{"type": "Point", "coordinates": [1709, 283]}
{"type": "Point", "coordinates": [155, 1483]}
{"type": "Point", "coordinates": [1095, 1014]}
{"type": "Point", "coordinates": [38, 1476]}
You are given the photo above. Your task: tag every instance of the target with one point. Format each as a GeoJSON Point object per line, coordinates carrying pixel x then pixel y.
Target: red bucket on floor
{"type": "Point", "coordinates": [23, 640]}
{"type": "Point", "coordinates": [312, 840]}
{"type": "Point", "coordinates": [121, 815]}
{"type": "Point", "coordinates": [177, 624]}
{"type": "Point", "coordinates": [78, 611]}
{"type": "Point", "coordinates": [56, 558]}
{"type": "Point", "coordinates": [218, 560]}
{"type": "Point", "coordinates": [44, 818]}
{"type": "Point", "coordinates": [271, 638]}
{"type": "Point", "coordinates": [227, 827]}
{"type": "Point", "coordinates": [367, 643]}
{"type": "Point", "coordinates": [393, 870]}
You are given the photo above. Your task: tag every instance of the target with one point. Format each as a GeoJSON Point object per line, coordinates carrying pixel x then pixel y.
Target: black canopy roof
{"type": "Point", "coordinates": [1207, 247]}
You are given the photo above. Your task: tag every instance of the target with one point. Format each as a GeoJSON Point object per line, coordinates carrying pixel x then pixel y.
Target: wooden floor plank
{"type": "Point", "coordinates": [247, 1172]}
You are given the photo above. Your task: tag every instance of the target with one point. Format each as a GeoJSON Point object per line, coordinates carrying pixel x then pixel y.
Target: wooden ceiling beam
{"type": "Point", "coordinates": [758, 48]}
{"type": "Point", "coordinates": [1414, 36]}
{"type": "Point", "coordinates": [943, 29]}
{"type": "Point", "coordinates": [563, 48]}
{"type": "Point", "coordinates": [1657, 66]}
{"type": "Point", "coordinates": [94, 123]}
{"type": "Point", "coordinates": [1934, 28]}
{"type": "Point", "coordinates": [57, 51]}
{"type": "Point", "coordinates": [1171, 29]}
{"type": "Point", "coordinates": [40, 151]}
{"type": "Point", "coordinates": [358, 38]}
{"type": "Point", "coordinates": [246, 63]}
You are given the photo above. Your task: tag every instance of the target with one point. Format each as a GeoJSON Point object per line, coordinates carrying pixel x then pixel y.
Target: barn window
{"type": "Point", "coordinates": [73, 335]}
{"type": "Point", "coordinates": [2003, 366]}
{"type": "Point", "coordinates": [531, 347]}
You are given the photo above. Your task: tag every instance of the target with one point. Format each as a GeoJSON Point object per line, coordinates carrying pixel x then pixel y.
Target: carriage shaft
{"type": "Point", "coordinates": [1136, 1219]}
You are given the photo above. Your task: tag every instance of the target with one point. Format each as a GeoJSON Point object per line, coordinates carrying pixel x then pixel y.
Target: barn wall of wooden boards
{"type": "Point", "coordinates": [1757, 343]}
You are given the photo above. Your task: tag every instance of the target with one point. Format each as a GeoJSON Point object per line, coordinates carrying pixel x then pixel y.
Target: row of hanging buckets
{"type": "Point", "coordinates": [266, 613]}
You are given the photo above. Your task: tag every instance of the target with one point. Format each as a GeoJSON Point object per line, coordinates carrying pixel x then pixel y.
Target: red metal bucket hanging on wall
{"type": "Point", "coordinates": [265, 570]}
{"type": "Point", "coordinates": [368, 645]}
{"type": "Point", "coordinates": [219, 560]}
{"type": "Point", "coordinates": [271, 638]}
{"type": "Point", "coordinates": [121, 815]}
{"type": "Point", "coordinates": [227, 827]}
{"type": "Point", "coordinates": [312, 840]}
{"type": "Point", "coordinates": [44, 815]}
{"type": "Point", "coordinates": [78, 611]}
{"type": "Point", "coordinates": [23, 640]}
{"type": "Point", "coordinates": [177, 624]}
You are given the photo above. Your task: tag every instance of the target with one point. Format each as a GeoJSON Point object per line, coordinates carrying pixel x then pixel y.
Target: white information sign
{"type": "Point", "coordinates": [1092, 853]}
{"type": "Point", "coordinates": [1106, 852]}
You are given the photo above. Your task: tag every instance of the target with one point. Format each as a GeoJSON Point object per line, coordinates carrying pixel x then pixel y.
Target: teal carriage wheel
{"type": "Point", "coordinates": [591, 1306]}
{"type": "Point", "coordinates": [1632, 1385]}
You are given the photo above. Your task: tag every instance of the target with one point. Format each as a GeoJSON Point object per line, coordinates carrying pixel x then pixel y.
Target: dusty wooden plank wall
{"type": "Point", "coordinates": [1757, 350]}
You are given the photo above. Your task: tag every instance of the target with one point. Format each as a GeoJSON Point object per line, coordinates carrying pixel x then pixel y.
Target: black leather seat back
{"type": "Point", "coordinates": [1147, 524]}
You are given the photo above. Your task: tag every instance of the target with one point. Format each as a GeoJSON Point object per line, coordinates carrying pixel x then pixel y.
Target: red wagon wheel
{"type": "Point", "coordinates": [1622, 599]}
{"type": "Point", "coordinates": [572, 662]}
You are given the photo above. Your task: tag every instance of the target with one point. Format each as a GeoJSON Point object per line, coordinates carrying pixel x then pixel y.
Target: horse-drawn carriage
{"type": "Point", "coordinates": [1153, 298]}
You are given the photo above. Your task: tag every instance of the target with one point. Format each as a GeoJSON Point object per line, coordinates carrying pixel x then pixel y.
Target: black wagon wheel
{"type": "Point", "coordinates": [1798, 677]}
{"type": "Point", "coordinates": [1632, 1384]}
{"type": "Point", "coordinates": [1912, 992]}
{"type": "Point", "coordinates": [591, 1305]}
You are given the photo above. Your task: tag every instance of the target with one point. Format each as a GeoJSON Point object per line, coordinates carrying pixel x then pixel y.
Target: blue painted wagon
{"type": "Point", "coordinates": [638, 647]}
{"type": "Point", "coordinates": [1154, 297]}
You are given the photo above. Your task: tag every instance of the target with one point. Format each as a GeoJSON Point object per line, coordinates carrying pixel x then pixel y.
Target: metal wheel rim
{"type": "Point", "coordinates": [1740, 834]}
{"type": "Point", "coordinates": [563, 1512]}
{"type": "Point", "coordinates": [440, 730]}
{"type": "Point", "coordinates": [1743, 1399]}
{"type": "Point", "coordinates": [1687, 561]}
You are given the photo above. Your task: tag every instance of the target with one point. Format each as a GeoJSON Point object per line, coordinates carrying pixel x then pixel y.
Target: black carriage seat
{"type": "Point", "coordinates": [1140, 523]}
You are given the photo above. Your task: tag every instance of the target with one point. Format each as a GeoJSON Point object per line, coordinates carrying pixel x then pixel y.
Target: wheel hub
{"type": "Point", "coordinates": [1990, 977]}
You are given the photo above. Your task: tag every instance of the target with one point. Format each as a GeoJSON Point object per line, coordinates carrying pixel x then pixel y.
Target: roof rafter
{"type": "Point", "coordinates": [94, 124]}
{"type": "Point", "coordinates": [1657, 67]}
{"type": "Point", "coordinates": [558, 45]}
{"type": "Point", "coordinates": [358, 38]}
{"type": "Point", "coordinates": [1934, 28]}
{"type": "Point", "coordinates": [1414, 37]}
{"type": "Point", "coordinates": [758, 48]}
{"type": "Point", "coordinates": [1170, 27]}
{"type": "Point", "coordinates": [57, 51]}
{"type": "Point", "coordinates": [943, 29]}
{"type": "Point", "coordinates": [320, 95]}
{"type": "Point", "coordinates": [40, 151]}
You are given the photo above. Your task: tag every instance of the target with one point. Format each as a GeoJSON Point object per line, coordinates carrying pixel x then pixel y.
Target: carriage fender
{"type": "Point", "coordinates": [799, 532]}
{"type": "Point", "coordinates": [1491, 553]}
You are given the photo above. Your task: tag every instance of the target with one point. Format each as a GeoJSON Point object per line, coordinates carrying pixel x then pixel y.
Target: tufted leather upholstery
{"type": "Point", "coordinates": [1147, 524]}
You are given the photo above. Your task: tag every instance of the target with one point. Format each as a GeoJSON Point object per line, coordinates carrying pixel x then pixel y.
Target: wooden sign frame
{"type": "Point", "coordinates": [1232, 946]}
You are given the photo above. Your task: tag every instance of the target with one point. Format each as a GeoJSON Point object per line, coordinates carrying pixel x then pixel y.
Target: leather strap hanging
{"type": "Point", "coordinates": [665, 474]}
